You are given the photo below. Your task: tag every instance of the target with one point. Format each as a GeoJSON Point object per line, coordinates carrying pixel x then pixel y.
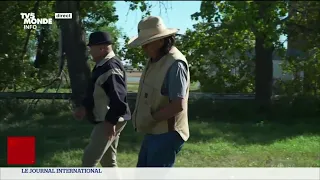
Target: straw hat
{"type": "Point", "coordinates": [150, 29]}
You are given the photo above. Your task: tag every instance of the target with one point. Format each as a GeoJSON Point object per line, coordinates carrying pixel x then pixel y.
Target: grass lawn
{"type": "Point", "coordinates": [213, 143]}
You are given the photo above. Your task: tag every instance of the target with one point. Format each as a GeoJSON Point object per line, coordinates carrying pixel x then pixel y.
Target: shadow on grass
{"type": "Point", "coordinates": [56, 131]}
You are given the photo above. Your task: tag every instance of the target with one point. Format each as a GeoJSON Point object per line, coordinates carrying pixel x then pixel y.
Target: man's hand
{"type": "Point", "coordinates": [111, 130]}
{"type": "Point", "coordinates": [79, 113]}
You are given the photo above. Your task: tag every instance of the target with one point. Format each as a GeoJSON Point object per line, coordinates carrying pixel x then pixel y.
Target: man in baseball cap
{"type": "Point", "coordinates": [106, 104]}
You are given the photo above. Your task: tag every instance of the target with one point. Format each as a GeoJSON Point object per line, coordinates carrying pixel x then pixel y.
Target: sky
{"type": "Point", "coordinates": [178, 15]}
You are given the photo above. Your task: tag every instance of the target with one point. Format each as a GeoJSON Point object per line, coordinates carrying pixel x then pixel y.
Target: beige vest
{"type": "Point", "coordinates": [150, 99]}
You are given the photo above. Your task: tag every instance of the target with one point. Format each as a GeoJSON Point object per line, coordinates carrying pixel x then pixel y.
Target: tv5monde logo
{"type": "Point", "coordinates": [30, 21]}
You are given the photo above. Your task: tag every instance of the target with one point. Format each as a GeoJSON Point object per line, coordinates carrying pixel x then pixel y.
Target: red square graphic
{"type": "Point", "coordinates": [21, 150]}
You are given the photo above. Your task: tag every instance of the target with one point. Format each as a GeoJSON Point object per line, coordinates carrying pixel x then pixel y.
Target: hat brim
{"type": "Point", "coordinates": [138, 41]}
{"type": "Point", "coordinates": [103, 42]}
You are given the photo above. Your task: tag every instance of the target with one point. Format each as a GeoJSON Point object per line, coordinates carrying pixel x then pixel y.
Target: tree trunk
{"type": "Point", "coordinates": [264, 74]}
{"type": "Point", "coordinates": [74, 46]}
{"type": "Point", "coordinates": [41, 56]}
{"type": "Point", "coordinates": [264, 66]}
{"type": "Point", "coordinates": [307, 82]}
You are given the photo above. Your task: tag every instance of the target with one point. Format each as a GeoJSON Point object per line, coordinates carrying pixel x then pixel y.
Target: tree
{"type": "Point", "coordinates": [95, 15]}
{"type": "Point", "coordinates": [15, 67]}
{"type": "Point", "coordinates": [303, 46]}
{"type": "Point", "coordinates": [74, 45]}
{"type": "Point", "coordinates": [29, 58]}
{"type": "Point", "coordinates": [235, 25]}
{"type": "Point", "coordinates": [134, 55]}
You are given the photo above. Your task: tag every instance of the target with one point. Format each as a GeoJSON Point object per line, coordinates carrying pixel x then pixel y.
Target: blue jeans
{"type": "Point", "coordinates": [160, 150]}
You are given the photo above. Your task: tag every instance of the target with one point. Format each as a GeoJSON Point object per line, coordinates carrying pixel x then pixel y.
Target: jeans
{"type": "Point", "coordinates": [160, 150]}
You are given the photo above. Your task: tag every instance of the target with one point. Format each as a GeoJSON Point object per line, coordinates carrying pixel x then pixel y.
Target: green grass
{"type": "Point", "coordinates": [213, 142]}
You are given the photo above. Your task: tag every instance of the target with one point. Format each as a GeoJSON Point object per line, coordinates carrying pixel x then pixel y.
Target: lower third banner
{"type": "Point", "coordinates": [160, 173]}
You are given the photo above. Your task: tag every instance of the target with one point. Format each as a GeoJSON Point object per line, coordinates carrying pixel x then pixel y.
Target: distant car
{"type": "Point", "coordinates": [129, 68]}
{"type": "Point", "coordinates": [140, 68]}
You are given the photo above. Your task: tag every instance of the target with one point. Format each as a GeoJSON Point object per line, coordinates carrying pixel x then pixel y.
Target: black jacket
{"type": "Point", "coordinates": [115, 87]}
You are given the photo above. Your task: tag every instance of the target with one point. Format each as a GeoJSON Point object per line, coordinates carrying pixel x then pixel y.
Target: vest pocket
{"type": "Point", "coordinates": [147, 95]}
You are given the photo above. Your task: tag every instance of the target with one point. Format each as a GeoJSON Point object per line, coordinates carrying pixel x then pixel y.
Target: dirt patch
{"type": "Point", "coordinates": [134, 74]}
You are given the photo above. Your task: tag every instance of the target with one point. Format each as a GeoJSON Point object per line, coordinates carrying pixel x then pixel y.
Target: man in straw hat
{"type": "Point", "coordinates": [162, 100]}
{"type": "Point", "coordinates": [105, 104]}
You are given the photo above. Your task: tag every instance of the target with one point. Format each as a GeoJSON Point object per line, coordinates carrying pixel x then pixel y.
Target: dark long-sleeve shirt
{"type": "Point", "coordinates": [107, 94]}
